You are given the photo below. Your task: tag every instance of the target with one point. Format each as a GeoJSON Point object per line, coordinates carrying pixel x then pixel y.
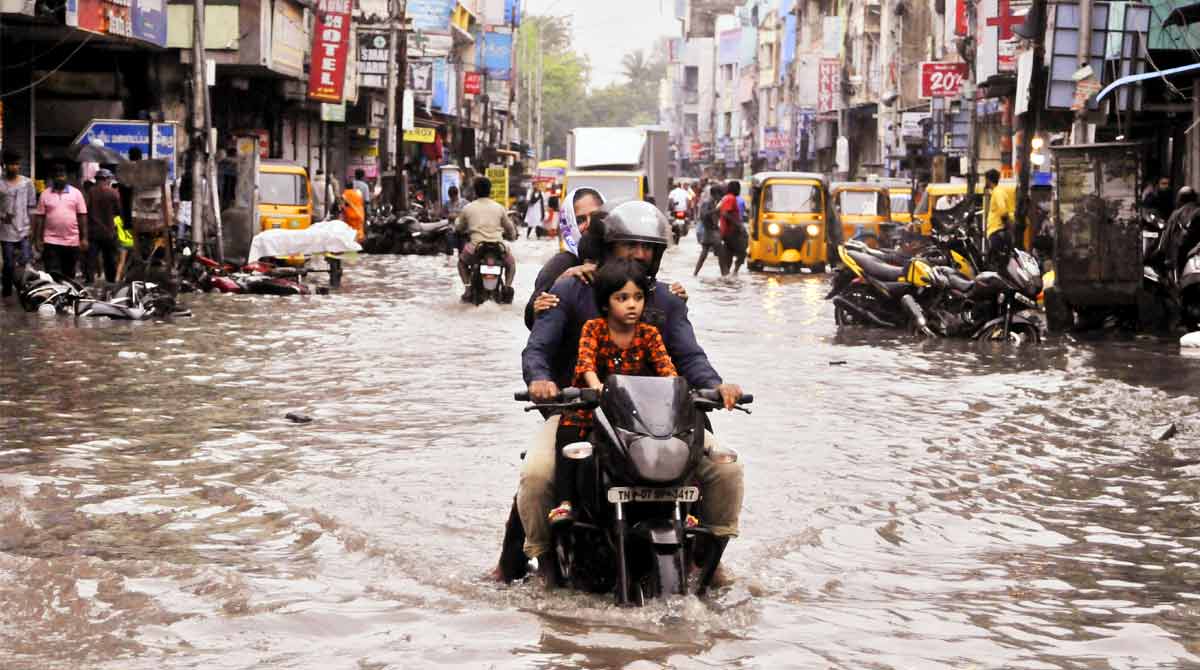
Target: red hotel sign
{"type": "Point", "coordinates": [472, 83]}
{"type": "Point", "coordinates": [331, 41]}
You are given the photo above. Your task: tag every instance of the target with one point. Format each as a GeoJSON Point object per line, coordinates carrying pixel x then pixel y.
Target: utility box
{"type": "Point", "coordinates": [1098, 250]}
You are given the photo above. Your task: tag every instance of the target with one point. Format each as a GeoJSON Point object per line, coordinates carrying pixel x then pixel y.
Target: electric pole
{"type": "Point", "coordinates": [1032, 116]}
{"type": "Point", "coordinates": [199, 136]}
{"type": "Point", "coordinates": [969, 94]}
{"type": "Point", "coordinates": [390, 170]}
{"type": "Point", "coordinates": [400, 32]}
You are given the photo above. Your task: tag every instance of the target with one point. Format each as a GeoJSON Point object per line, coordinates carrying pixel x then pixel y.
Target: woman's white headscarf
{"type": "Point", "coordinates": [568, 227]}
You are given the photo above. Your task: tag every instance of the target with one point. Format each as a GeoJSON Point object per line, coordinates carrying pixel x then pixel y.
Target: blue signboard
{"type": "Point", "coordinates": [431, 15]}
{"type": "Point", "coordinates": [494, 55]}
{"type": "Point", "coordinates": [121, 136]}
{"type": "Point", "coordinates": [150, 21]}
{"type": "Point", "coordinates": [512, 12]}
{"type": "Point", "coordinates": [441, 86]}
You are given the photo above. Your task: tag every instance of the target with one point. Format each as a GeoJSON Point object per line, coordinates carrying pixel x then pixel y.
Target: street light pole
{"type": "Point", "coordinates": [199, 137]}
{"type": "Point", "coordinates": [389, 163]}
{"type": "Point", "coordinates": [969, 89]}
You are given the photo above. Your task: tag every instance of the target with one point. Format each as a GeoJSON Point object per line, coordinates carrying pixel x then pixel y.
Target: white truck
{"type": "Point", "coordinates": [620, 163]}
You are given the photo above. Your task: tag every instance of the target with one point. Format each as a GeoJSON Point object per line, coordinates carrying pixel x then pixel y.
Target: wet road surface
{"type": "Point", "coordinates": [909, 504]}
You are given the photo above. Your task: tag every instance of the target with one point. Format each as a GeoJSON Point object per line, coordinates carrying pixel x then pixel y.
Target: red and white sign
{"type": "Point", "coordinates": [331, 41]}
{"type": "Point", "coordinates": [942, 79]}
{"type": "Point", "coordinates": [829, 85]}
{"type": "Point", "coordinates": [998, 43]}
{"type": "Point", "coordinates": [472, 83]}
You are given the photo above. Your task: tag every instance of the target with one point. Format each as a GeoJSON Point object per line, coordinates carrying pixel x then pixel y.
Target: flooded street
{"type": "Point", "coordinates": [909, 504]}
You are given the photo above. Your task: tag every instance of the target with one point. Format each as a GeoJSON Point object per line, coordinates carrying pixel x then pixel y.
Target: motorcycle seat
{"type": "Point", "coordinates": [958, 282]}
{"type": "Point", "coordinates": [875, 268]}
{"type": "Point", "coordinates": [432, 226]}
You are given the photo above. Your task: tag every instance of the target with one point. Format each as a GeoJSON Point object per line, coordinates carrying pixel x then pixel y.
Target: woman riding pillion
{"type": "Point", "coordinates": [637, 231]}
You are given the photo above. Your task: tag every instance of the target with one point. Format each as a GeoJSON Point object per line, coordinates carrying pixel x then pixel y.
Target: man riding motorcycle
{"type": "Point", "coordinates": [639, 231]}
{"type": "Point", "coordinates": [483, 221]}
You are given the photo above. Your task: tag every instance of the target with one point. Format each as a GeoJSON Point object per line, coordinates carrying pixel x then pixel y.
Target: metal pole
{"type": "Point", "coordinates": [1029, 123]}
{"type": "Point", "coordinates": [969, 89]}
{"type": "Point", "coordinates": [1083, 56]}
{"type": "Point", "coordinates": [540, 95]}
{"type": "Point", "coordinates": [199, 137]}
{"type": "Point", "coordinates": [389, 163]}
{"type": "Point", "coordinates": [331, 193]}
{"type": "Point", "coordinates": [401, 86]}
{"type": "Point", "coordinates": [1194, 135]}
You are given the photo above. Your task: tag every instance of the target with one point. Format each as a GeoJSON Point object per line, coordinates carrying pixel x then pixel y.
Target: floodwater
{"type": "Point", "coordinates": [909, 504]}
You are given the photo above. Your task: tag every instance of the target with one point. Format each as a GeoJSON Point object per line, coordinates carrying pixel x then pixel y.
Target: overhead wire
{"type": "Point", "coordinates": [51, 73]}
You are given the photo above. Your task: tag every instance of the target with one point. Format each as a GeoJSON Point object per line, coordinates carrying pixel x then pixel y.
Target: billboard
{"type": "Point", "coordinates": [494, 55]}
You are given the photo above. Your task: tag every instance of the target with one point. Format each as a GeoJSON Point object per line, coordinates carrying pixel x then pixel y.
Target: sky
{"type": "Point", "coordinates": [606, 30]}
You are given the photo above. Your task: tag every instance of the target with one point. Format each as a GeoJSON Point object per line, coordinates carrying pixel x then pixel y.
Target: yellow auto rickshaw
{"type": "Point", "coordinates": [787, 221]}
{"type": "Point", "coordinates": [863, 210]}
{"type": "Point", "coordinates": [900, 201]}
{"type": "Point", "coordinates": [939, 197]}
{"type": "Point", "coordinates": [285, 198]}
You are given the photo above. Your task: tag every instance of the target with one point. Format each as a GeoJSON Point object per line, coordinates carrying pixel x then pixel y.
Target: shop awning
{"type": "Point", "coordinates": [1185, 15]}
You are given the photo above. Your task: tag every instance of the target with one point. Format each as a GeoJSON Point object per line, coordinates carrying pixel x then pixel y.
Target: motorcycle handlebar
{"type": "Point", "coordinates": [585, 396]}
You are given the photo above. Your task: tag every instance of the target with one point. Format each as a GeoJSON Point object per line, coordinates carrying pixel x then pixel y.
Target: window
{"type": "Point", "coordinates": [899, 202]}
{"type": "Point", "coordinates": [691, 78]}
{"type": "Point", "coordinates": [691, 124]}
{"type": "Point", "coordinates": [862, 203]}
{"type": "Point", "coordinates": [799, 198]}
{"type": "Point", "coordinates": [728, 124]}
{"type": "Point", "coordinates": [282, 189]}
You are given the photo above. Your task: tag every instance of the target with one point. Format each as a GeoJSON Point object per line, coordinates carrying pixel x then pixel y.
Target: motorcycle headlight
{"type": "Point", "coordinates": [812, 230]}
{"type": "Point", "coordinates": [773, 229]}
{"type": "Point", "coordinates": [660, 459]}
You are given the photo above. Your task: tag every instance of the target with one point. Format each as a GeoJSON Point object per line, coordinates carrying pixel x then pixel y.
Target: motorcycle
{"type": "Point", "coordinates": [38, 289]}
{"type": "Point", "coordinates": [1189, 291]}
{"type": "Point", "coordinates": [633, 535]}
{"type": "Point", "coordinates": [135, 301]}
{"type": "Point", "coordinates": [487, 276]}
{"type": "Point", "coordinates": [430, 237]}
{"type": "Point", "coordinates": [679, 225]}
{"type": "Point", "coordinates": [258, 278]}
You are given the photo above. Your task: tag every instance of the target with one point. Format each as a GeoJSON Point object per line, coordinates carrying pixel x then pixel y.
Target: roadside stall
{"type": "Point", "coordinates": [1098, 251]}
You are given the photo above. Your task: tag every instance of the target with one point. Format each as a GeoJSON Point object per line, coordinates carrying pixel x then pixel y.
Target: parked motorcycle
{"type": "Point", "coordinates": [488, 276]}
{"type": "Point", "coordinates": [632, 534]}
{"type": "Point", "coordinates": [431, 237]}
{"type": "Point", "coordinates": [258, 278]}
{"type": "Point", "coordinates": [1189, 291]}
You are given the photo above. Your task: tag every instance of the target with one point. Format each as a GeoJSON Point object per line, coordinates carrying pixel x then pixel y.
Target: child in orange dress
{"type": "Point", "coordinates": [616, 343]}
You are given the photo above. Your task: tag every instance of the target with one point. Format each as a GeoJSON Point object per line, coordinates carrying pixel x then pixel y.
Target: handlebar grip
{"type": "Point", "coordinates": [521, 396]}
{"type": "Point", "coordinates": [747, 399]}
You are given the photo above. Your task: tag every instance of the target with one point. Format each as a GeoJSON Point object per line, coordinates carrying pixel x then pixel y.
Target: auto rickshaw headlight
{"type": "Point", "coordinates": [773, 229]}
{"type": "Point", "coordinates": [812, 230]}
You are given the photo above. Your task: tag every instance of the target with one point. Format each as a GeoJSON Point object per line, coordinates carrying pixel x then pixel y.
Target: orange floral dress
{"type": "Point", "coordinates": [646, 356]}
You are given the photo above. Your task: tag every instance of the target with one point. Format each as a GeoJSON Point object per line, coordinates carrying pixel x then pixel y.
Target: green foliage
{"type": "Point", "coordinates": [568, 101]}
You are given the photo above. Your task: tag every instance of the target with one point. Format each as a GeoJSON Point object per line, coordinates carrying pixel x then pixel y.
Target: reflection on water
{"type": "Point", "coordinates": [909, 504]}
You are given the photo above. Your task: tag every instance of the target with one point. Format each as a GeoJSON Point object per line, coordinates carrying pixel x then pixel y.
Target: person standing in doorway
{"type": "Point", "coordinates": [103, 206]}
{"type": "Point", "coordinates": [18, 198]}
{"type": "Point", "coordinates": [60, 225]}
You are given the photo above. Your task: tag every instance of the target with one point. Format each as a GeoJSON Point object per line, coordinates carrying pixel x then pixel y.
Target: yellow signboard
{"type": "Point", "coordinates": [499, 179]}
{"type": "Point", "coordinates": [420, 135]}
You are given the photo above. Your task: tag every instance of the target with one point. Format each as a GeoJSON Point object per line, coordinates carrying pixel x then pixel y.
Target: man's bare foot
{"type": "Point", "coordinates": [495, 575]}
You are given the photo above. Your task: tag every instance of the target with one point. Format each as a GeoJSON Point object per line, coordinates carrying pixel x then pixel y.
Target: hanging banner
{"type": "Point", "coordinates": [420, 77]}
{"type": "Point", "coordinates": [829, 85]}
{"type": "Point", "coordinates": [431, 15]}
{"type": "Point", "coordinates": [472, 83]}
{"type": "Point", "coordinates": [499, 178]}
{"type": "Point", "coordinates": [494, 55]}
{"type": "Point", "coordinates": [998, 43]}
{"type": "Point", "coordinates": [331, 40]}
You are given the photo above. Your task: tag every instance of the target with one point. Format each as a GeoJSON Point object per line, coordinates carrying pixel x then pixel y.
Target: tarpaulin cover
{"type": "Point", "coordinates": [325, 237]}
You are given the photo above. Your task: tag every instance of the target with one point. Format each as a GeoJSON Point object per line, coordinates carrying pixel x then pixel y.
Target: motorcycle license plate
{"type": "Point", "coordinates": [490, 270]}
{"type": "Point", "coordinates": [632, 494]}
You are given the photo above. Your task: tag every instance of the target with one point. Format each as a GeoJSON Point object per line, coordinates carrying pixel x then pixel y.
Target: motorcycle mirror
{"type": "Point", "coordinates": [578, 451]}
{"type": "Point", "coordinates": [722, 455]}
